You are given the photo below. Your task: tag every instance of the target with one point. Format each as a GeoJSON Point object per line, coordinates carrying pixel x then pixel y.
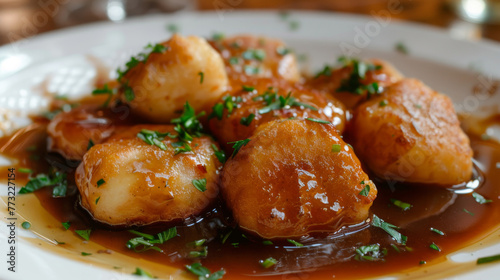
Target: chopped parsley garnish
{"type": "Point", "coordinates": [395, 248]}
{"type": "Point", "coordinates": [217, 36]}
{"type": "Point", "coordinates": [228, 102]}
{"type": "Point", "coordinates": [336, 148]}
{"type": "Point", "coordinates": [100, 182]}
{"type": "Point", "coordinates": [237, 146]}
{"type": "Point", "coordinates": [200, 184]}
{"type": "Point", "coordinates": [128, 93]}
{"type": "Point", "coordinates": [365, 191]}
{"type": "Point", "coordinates": [199, 242]}
{"type": "Point", "coordinates": [370, 253]}
{"type": "Point", "coordinates": [251, 70]}
{"type": "Point", "coordinates": [181, 147]}
{"type": "Point", "coordinates": [279, 102]}
{"type": "Point", "coordinates": [226, 236]}
{"type": "Point", "coordinates": [318, 120]}
{"type": "Point", "coordinates": [97, 200]}
{"type": "Point", "coordinates": [267, 242]}
{"type": "Point", "coordinates": [422, 262]}
{"type": "Point", "coordinates": [295, 242]}
{"type": "Point", "coordinates": [433, 246]}
{"type": "Point", "coordinates": [383, 103]}
{"type": "Point", "coordinates": [221, 156]}
{"type": "Point", "coordinates": [267, 263]}
{"type": "Point", "coordinates": [248, 88]}
{"type": "Point", "coordinates": [61, 97]}
{"type": "Point", "coordinates": [403, 205]}
{"type": "Point", "coordinates": [105, 90]}
{"type": "Point", "coordinates": [202, 75]}
{"type": "Point", "coordinates": [234, 60]}
{"type": "Point", "coordinates": [390, 229]}
{"type": "Point", "coordinates": [90, 144]}
{"type": "Point", "coordinates": [86, 254]}
{"type": "Point", "coordinates": [56, 179]}
{"type": "Point", "coordinates": [59, 190]}
{"type": "Point", "coordinates": [480, 199]}
{"type": "Point", "coordinates": [24, 170]}
{"type": "Point", "coordinates": [140, 58]}
{"type": "Point", "coordinates": [254, 54]}
{"type": "Point", "coordinates": [246, 121]}
{"type": "Point", "coordinates": [146, 241]}
{"type": "Point", "coordinates": [437, 231]}
{"type": "Point", "coordinates": [468, 212]}
{"type": "Point", "coordinates": [84, 233]}
{"type": "Point", "coordinates": [268, 96]}
{"type": "Point", "coordinates": [204, 273]}
{"type": "Point", "coordinates": [294, 25]}
{"type": "Point", "coordinates": [173, 28]}
{"type": "Point", "coordinates": [134, 61]}
{"type": "Point", "coordinates": [217, 111]}
{"type": "Point", "coordinates": [26, 225]}
{"type": "Point", "coordinates": [142, 272]}
{"type": "Point", "coordinates": [153, 138]}
{"type": "Point", "coordinates": [187, 127]}
{"type": "Point", "coordinates": [203, 252]}
{"type": "Point", "coordinates": [488, 259]}
{"type": "Point", "coordinates": [353, 83]}
{"type": "Point", "coordinates": [66, 225]}
{"type": "Point", "coordinates": [400, 47]}
{"type": "Point", "coordinates": [327, 71]}
{"type": "Point", "coordinates": [281, 50]}
{"type": "Point", "coordinates": [145, 235]}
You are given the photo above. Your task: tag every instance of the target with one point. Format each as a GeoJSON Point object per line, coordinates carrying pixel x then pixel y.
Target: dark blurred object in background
{"type": "Point", "coordinates": [471, 19]}
{"type": "Point", "coordinates": [24, 18]}
{"type": "Point", "coordinates": [412, 9]}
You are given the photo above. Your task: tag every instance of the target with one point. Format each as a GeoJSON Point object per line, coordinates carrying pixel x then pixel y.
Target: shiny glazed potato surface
{"type": "Point", "coordinates": [167, 80]}
{"type": "Point", "coordinates": [144, 184]}
{"type": "Point", "coordinates": [229, 128]}
{"type": "Point", "coordinates": [287, 181]}
{"type": "Point", "coordinates": [416, 137]}
{"type": "Point", "coordinates": [70, 132]}
{"type": "Point", "coordinates": [254, 56]}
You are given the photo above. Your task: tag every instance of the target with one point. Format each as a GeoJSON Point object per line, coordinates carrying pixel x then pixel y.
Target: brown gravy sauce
{"type": "Point", "coordinates": [322, 256]}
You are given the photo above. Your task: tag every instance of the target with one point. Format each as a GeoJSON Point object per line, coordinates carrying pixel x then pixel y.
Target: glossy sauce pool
{"type": "Point", "coordinates": [459, 216]}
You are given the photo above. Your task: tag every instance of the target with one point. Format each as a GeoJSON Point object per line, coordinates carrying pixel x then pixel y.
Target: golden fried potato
{"type": "Point", "coordinates": [331, 81]}
{"type": "Point", "coordinates": [248, 56]}
{"type": "Point", "coordinates": [126, 181]}
{"type": "Point", "coordinates": [250, 99]}
{"type": "Point", "coordinates": [189, 70]}
{"type": "Point", "coordinates": [70, 132]}
{"type": "Point", "coordinates": [294, 177]}
{"type": "Point", "coordinates": [411, 133]}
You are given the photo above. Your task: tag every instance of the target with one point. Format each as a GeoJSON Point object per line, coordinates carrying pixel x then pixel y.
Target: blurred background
{"type": "Point", "coordinates": [469, 19]}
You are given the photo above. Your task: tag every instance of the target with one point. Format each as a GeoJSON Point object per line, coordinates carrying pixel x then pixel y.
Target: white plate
{"type": "Point", "coordinates": [59, 61]}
